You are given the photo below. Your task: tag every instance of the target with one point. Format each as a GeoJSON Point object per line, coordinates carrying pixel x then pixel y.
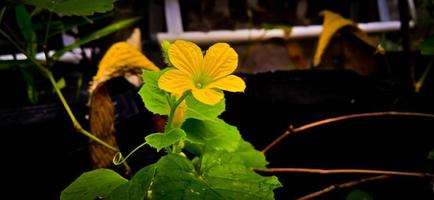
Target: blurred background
{"type": "Point", "coordinates": [277, 41]}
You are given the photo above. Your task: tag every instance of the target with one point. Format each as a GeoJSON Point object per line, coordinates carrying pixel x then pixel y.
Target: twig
{"type": "Point", "coordinates": [292, 131]}
{"type": "Point", "coordinates": [418, 85]}
{"type": "Point", "coordinates": [343, 171]}
{"type": "Point", "coordinates": [341, 186]}
{"type": "Point", "coordinates": [280, 138]}
{"type": "Point", "coordinates": [2, 12]}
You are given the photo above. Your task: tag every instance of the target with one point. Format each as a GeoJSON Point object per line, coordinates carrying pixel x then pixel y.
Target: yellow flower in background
{"type": "Point", "coordinates": [204, 76]}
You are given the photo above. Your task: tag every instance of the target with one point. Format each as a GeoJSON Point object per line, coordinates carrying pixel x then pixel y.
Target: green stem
{"type": "Point", "coordinates": [173, 107]}
{"type": "Point", "coordinates": [45, 46]}
{"type": "Point", "coordinates": [421, 80]}
{"type": "Point", "coordinates": [2, 12]}
{"type": "Point", "coordinates": [173, 110]}
{"type": "Point", "coordinates": [118, 159]}
{"type": "Point", "coordinates": [49, 75]}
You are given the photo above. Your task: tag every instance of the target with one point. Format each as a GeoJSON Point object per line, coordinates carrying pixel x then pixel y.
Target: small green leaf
{"type": "Point", "coordinates": [73, 7]}
{"type": "Point", "coordinates": [251, 157]}
{"type": "Point", "coordinates": [162, 140]}
{"type": "Point", "coordinates": [165, 50]}
{"type": "Point", "coordinates": [61, 83]}
{"type": "Point", "coordinates": [427, 46]}
{"type": "Point", "coordinates": [359, 195]}
{"type": "Point", "coordinates": [155, 99]}
{"type": "Point", "coordinates": [214, 134]}
{"type": "Point", "coordinates": [201, 111]}
{"type": "Point", "coordinates": [92, 185]}
{"type": "Point", "coordinates": [96, 35]}
{"type": "Point", "coordinates": [431, 155]}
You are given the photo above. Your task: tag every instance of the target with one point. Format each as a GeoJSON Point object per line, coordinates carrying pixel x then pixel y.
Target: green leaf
{"type": "Point", "coordinates": [155, 99]}
{"type": "Point", "coordinates": [25, 24]}
{"type": "Point", "coordinates": [215, 134]}
{"type": "Point", "coordinates": [96, 35]}
{"type": "Point", "coordinates": [61, 83]}
{"type": "Point", "coordinates": [431, 155]}
{"type": "Point", "coordinates": [73, 7]}
{"type": "Point", "coordinates": [32, 92]}
{"type": "Point", "coordinates": [220, 176]}
{"type": "Point", "coordinates": [359, 195]}
{"type": "Point", "coordinates": [227, 173]}
{"type": "Point", "coordinates": [93, 184]}
{"type": "Point", "coordinates": [251, 157]}
{"type": "Point", "coordinates": [119, 193]}
{"type": "Point", "coordinates": [140, 184]}
{"type": "Point", "coordinates": [162, 140]}
{"type": "Point", "coordinates": [62, 26]}
{"type": "Point", "coordinates": [201, 111]}
{"type": "Point", "coordinates": [427, 46]}
{"type": "Point", "coordinates": [14, 64]}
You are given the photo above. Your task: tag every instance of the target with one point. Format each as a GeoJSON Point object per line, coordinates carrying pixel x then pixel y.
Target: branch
{"type": "Point", "coordinates": [344, 171]}
{"type": "Point", "coordinates": [341, 186]}
{"type": "Point", "coordinates": [291, 130]}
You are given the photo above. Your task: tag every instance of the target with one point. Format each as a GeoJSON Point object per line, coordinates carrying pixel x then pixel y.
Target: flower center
{"type": "Point", "coordinates": [199, 85]}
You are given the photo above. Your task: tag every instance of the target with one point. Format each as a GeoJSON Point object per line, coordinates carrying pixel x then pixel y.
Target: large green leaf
{"type": "Point", "coordinates": [155, 99]}
{"type": "Point", "coordinates": [212, 134]}
{"type": "Point", "coordinates": [140, 184]}
{"type": "Point", "coordinates": [251, 157]}
{"type": "Point", "coordinates": [427, 46]}
{"type": "Point", "coordinates": [219, 176]}
{"type": "Point", "coordinates": [73, 7]}
{"type": "Point", "coordinates": [227, 174]}
{"type": "Point", "coordinates": [120, 192]}
{"type": "Point", "coordinates": [93, 184]}
{"type": "Point", "coordinates": [198, 110]}
{"type": "Point", "coordinates": [96, 35]}
{"type": "Point", "coordinates": [162, 140]}
{"type": "Point", "coordinates": [25, 24]}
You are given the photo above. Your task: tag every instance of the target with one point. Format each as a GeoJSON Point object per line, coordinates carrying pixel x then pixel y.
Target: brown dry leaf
{"type": "Point", "coordinates": [134, 39]}
{"type": "Point", "coordinates": [333, 23]}
{"type": "Point", "coordinates": [121, 59]}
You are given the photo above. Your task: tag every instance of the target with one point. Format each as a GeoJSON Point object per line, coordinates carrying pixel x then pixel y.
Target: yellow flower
{"type": "Point", "coordinates": [204, 76]}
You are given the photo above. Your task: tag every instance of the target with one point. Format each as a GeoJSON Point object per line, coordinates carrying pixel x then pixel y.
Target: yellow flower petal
{"type": "Point", "coordinates": [175, 81]}
{"type": "Point", "coordinates": [186, 56]}
{"type": "Point", "coordinates": [207, 96]}
{"type": "Point", "coordinates": [220, 60]}
{"type": "Point", "coordinates": [229, 83]}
